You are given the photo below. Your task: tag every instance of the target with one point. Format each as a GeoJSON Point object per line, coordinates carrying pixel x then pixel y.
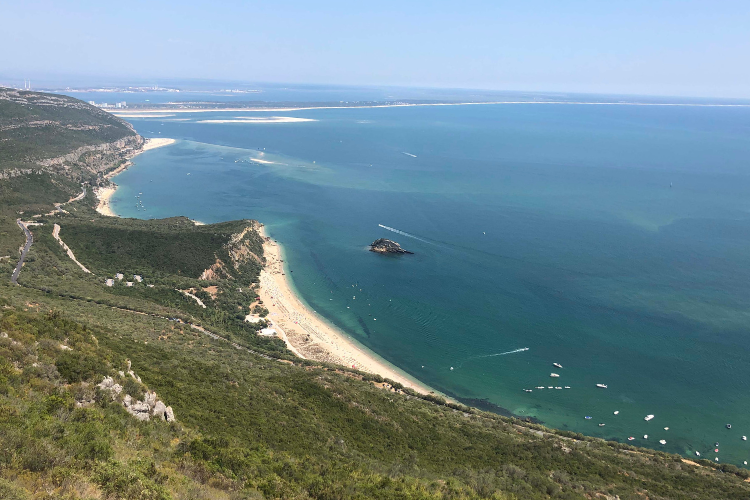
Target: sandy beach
{"type": "Point", "coordinates": [104, 194]}
{"type": "Point", "coordinates": [257, 119]}
{"type": "Point", "coordinates": [310, 336]}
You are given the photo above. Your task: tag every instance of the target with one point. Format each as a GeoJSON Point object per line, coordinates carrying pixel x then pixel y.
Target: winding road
{"type": "Point", "coordinates": [29, 241]}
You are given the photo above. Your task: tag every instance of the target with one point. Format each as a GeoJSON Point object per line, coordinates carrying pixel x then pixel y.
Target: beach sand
{"type": "Point", "coordinates": [310, 336]}
{"type": "Point", "coordinates": [257, 119]}
{"type": "Point", "coordinates": [104, 194]}
{"type": "Point", "coordinates": [305, 333]}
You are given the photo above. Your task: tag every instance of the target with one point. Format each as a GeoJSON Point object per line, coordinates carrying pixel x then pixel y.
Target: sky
{"type": "Point", "coordinates": [675, 48]}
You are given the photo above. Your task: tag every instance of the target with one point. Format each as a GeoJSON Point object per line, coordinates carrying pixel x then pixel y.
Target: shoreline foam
{"type": "Point", "coordinates": [310, 336]}
{"type": "Point", "coordinates": [104, 194]}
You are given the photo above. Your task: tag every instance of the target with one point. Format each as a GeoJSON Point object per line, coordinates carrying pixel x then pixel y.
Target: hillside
{"type": "Point", "coordinates": [251, 419]}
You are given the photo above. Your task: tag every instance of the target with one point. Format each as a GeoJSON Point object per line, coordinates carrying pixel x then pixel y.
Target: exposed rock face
{"type": "Point", "coordinates": [142, 410]}
{"type": "Point", "coordinates": [383, 245]}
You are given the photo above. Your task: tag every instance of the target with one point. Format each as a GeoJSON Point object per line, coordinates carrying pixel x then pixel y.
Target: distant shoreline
{"type": "Point", "coordinates": [154, 112]}
{"type": "Point", "coordinates": [104, 194]}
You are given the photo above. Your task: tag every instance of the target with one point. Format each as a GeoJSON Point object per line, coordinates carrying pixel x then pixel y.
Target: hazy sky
{"type": "Point", "coordinates": [698, 48]}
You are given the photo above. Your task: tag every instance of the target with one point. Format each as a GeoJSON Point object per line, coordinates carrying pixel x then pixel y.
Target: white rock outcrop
{"type": "Point", "coordinates": [142, 410]}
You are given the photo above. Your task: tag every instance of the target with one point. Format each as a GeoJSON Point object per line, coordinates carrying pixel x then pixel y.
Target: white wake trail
{"type": "Point", "coordinates": [493, 355]}
{"type": "Point", "coordinates": [398, 231]}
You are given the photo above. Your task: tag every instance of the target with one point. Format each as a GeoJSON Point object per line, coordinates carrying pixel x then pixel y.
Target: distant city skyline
{"type": "Point", "coordinates": [667, 48]}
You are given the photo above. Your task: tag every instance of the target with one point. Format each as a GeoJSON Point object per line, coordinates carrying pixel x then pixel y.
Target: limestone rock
{"type": "Point", "coordinates": [383, 245]}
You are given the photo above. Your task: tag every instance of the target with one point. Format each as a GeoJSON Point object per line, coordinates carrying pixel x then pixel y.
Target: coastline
{"type": "Point", "coordinates": [164, 112]}
{"type": "Point", "coordinates": [310, 336]}
{"type": "Point", "coordinates": [305, 333]}
{"type": "Point", "coordinates": [104, 194]}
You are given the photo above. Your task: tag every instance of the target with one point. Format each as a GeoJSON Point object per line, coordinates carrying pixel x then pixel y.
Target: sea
{"type": "Point", "coordinates": [612, 239]}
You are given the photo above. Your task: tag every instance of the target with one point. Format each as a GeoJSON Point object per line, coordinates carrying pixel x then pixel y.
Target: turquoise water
{"type": "Point", "coordinates": [614, 240]}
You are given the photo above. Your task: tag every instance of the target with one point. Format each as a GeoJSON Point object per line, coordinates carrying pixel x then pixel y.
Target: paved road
{"type": "Point", "coordinates": [29, 241]}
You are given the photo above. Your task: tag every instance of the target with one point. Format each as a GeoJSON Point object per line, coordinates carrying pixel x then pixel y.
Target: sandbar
{"type": "Point", "coordinates": [258, 119]}
{"type": "Point", "coordinates": [310, 336]}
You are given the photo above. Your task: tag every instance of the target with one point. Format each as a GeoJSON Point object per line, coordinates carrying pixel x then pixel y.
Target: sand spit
{"type": "Point", "coordinates": [142, 113]}
{"type": "Point", "coordinates": [258, 119]}
{"type": "Point", "coordinates": [104, 194]}
{"type": "Point", "coordinates": [310, 336]}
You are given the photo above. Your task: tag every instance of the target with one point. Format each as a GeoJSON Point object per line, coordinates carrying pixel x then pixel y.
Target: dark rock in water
{"type": "Point", "coordinates": [383, 245]}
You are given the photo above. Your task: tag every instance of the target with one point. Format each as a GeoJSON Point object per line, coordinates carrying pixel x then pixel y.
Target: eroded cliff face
{"type": "Point", "coordinates": [94, 161]}
{"type": "Point", "coordinates": [57, 134]}
{"type": "Point", "coordinates": [240, 251]}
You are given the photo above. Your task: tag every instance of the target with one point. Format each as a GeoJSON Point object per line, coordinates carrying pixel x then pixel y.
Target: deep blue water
{"type": "Point", "coordinates": [614, 240]}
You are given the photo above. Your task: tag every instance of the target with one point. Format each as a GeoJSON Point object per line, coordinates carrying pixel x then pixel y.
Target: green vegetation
{"type": "Point", "coordinates": [36, 126]}
{"type": "Point", "coordinates": [253, 421]}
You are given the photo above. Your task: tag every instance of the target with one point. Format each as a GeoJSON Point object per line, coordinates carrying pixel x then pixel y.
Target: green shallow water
{"type": "Point", "coordinates": [614, 240]}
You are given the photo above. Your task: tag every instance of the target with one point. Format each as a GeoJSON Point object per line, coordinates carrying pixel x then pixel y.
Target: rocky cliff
{"type": "Point", "coordinates": [383, 245]}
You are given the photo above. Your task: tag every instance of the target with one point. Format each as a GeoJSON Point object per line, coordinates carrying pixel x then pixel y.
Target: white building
{"type": "Point", "coordinates": [119, 276]}
{"type": "Point", "coordinates": [268, 332]}
{"type": "Point", "coordinates": [110, 282]}
{"type": "Point", "coordinates": [128, 283]}
{"type": "Point", "coordinates": [138, 278]}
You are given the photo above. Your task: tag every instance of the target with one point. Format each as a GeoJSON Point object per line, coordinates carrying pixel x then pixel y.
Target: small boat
{"type": "Point", "coordinates": [601, 386]}
{"type": "Point", "coordinates": [645, 436]}
{"type": "Point", "coordinates": [587, 417]}
{"type": "Point", "coordinates": [554, 375]}
{"type": "Point", "coordinates": [697, 453]}
{"type": "Point", "coordinates": [540, 387]}
{"type": "Point", "coordinates": [616, 412]}
{"type": "Point", "coordinates": [602, 425]}
{"type": "Point", "coordinates": [648, 417]}
{"type": "Point", "coordinates": [666, 428]}
{"type": "Point", "coordinates": [558, 388]}
{"type": "Point", "coordinates": [729, 426]}
{"type": "Point", "coordinates": [716, 444]}
{"type": "Point", "coordinates": [567, 387]}
{"type": "Point", "coordinates": [558, 365]}
{"type": "Point", "coordinates": [744, 438]}
{"type": "Point", "coordinates": [550, 387]}
{"type": "Point", "coordinates": [631, 438]}
{"type": "Point", "coordinates": [716, 450]}
{"type": "Point", "coordinates": [662, 441]}
{"type": "Point", "coordinates": [716, 459]}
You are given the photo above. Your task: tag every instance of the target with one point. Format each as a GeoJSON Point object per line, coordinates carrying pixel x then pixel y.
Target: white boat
{"type": "Point", "coordinates": [697, 453]}
{"type": "Point", "coordinates": [567, 387]}
{"type": "Point", "coordinates": [648, 417]}
{"type": "Point", "coordinates": [616, 412]}
{"type": "Point", "coordinates": [631, 438]}
{"type": "Point", "coordinates": [602, 425]}
{"type": "Point", "coordinates": [744, 438]}
{"type": "Point", "coordinates": [645, 436]}
{"type": "Point", "coordinates": [558, 365]}
{"type": "Point", "coordinates": [662, 441]}
{"type": "Point", "coordinates": [554, 375]}
{"type": "Point", "coordinates": [601, 386]}
{"type": "Point", "coordinates": [560, 388]}
{"type": "Point", "coordinates": [666, 428]}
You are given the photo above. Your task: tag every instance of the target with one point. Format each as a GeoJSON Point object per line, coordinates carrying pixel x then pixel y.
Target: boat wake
{"type": "Point", "coordinates": [493, 355]}
{"type": "Point", "coordinates": [404, 233]}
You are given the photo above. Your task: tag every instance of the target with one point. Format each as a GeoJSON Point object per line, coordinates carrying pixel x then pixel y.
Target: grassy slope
{"type": "Point", "coordinates": [248, 426]}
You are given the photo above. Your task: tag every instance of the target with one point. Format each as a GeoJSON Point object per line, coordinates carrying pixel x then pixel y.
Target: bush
{"type": "Point", "coordinates": [8, 491]}
{"type": "Point", "coordinates": [77, 367]}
